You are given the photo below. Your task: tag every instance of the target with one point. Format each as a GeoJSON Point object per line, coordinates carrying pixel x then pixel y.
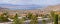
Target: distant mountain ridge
{"type": "Point", "coordinates": [54, 8]}
{"type": "Point", "coordinates": [38, 10]}
{"type": "Point", "coordinates": [21, 7]}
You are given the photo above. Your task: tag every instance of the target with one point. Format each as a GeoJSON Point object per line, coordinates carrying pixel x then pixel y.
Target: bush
{"type": "Point", "coordinates": [17, 21]}
{"type": "Point", "coordinates": [56, 19]}
{"type": "Point", "coordinates": [43, 22]}
{"type": "Point", "coordinates": [34, 20]}
{"type": "Point", "coordinates": [29, 15]}
{"type": "Point", "coordinates": [4, 17]}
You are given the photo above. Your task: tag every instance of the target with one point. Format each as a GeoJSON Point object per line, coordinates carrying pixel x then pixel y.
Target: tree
{"type": "Point", "coordinates": [4, 17]}
{"type": "Point", "coordinates": [17, 20]}
{"type": "Point", "coordinates": [37, 15]}
{"type": "Point", "coordinates": [43, 21]}
{"type": "Point", "coordinates": [34, 20]}
{"type": "Point", "coordinates": [52, 13]}
{"type": "Point", "coordinates": [56, 19]}
{"type": "Point", "coordinates": [29, 15]}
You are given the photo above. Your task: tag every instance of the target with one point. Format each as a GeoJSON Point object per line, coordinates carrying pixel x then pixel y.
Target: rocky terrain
{"type": "Point", "coordinates": [36, 11]}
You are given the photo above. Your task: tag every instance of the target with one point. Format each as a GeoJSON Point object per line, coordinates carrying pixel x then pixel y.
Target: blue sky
{"type": "Point", "coordinates": [29, 2]}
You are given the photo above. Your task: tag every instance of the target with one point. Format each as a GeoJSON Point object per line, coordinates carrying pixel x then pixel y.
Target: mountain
{"type": "Point", "coordinates": [54, 8]}
{"type": "Point", "coordinates": [51, 8]}
{"type": "Point", "coordinates": [3, 9]}
{"type": "Point", "coordinates": [21, 7]}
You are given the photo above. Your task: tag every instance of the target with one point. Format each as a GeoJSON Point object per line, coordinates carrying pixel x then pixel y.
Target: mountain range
{"type": "Point", "coordinates": [21, 7]}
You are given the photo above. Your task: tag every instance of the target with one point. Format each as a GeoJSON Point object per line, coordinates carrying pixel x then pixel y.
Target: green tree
{"type": "Point", "coordinates": [43, 21]}
{"type": "Point", "coordinates": [52, 13]}
{"type": "Point", "coordinates": [34, 20]}
{"type": "Point", "coordinates": [29, 15]}
{"type": "Point", "coordinates": [56, 19]}
{"type": "Point", "coordinates": [4, 17]}
{"type": "Point", "coordinates": [17, 20]}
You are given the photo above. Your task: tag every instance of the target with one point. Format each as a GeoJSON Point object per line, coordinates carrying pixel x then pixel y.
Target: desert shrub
{"type": "Point", "coordinates": [17, 20]}
{"type": "Point", "coordinates": [34, 20]}
{"type": "Point", "coordinates": [4, 17]}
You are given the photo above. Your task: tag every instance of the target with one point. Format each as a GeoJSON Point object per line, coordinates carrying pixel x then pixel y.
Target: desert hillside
{"type": "Point", "coordinates": [54, 8]}
{"type": "Point", "coordinates": [38, 11]}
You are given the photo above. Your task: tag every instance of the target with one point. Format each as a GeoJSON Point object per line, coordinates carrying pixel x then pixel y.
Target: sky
{"type": "Point", "coordinates": [29, 2]}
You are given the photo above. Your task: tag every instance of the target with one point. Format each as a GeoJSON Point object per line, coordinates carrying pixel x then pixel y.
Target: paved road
{"type": "Point", "coordinates": [27, 21]}
{"type": "Point", "coordinates": [6, 23]}
{"type": "Point", "coordinates": [39, 21]}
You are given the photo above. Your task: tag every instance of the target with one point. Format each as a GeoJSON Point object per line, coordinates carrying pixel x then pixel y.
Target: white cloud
{"type": "Point", "coordinates": [25, 2]}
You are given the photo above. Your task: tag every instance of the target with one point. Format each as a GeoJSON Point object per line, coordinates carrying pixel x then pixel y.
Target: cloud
{"type": "Point", "coordinates": [10, 1]}
{"type": "Point", "coordinates": [20, 1]}
{"type": "Point", "coordinates": [27, 2]}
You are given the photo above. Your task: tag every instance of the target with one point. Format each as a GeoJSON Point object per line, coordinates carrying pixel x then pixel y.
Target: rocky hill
{"type": "Point", "coordinates": [38, 11]}
{"type": "Point", "coordinates": [54, 8]}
